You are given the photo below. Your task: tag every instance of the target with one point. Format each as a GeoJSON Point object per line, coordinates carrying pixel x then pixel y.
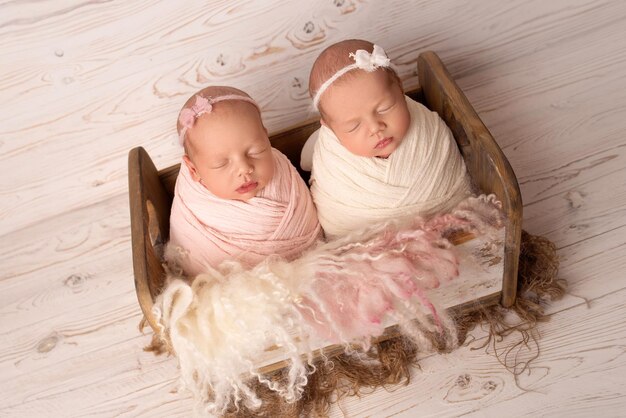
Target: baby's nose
{"type": "Point", "coordinates": [377, 126]}
{"type": "Point", "coordinates": [245, 168]}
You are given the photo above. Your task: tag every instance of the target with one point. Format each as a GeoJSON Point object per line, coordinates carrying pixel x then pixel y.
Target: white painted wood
{"type": "Point", "coordinates": [83, 82]}
{"type": "Point", "coordinates": [581, 346]}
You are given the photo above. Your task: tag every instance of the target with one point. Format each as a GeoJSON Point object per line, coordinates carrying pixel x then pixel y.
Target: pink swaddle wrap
{"type": "Point", "coordinates": [280, 220]}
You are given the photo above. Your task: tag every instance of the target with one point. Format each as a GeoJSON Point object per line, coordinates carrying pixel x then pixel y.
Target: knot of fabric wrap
{"type": "Point", "coordinates": [425, 175]}
{"type": "Point", "coordinates": [281, 221]}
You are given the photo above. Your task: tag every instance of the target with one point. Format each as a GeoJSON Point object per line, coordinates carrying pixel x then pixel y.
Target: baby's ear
{"type": "Point", "coordinates": [192, 168]}
{"type": "Point", "coordinates": [323, 123]}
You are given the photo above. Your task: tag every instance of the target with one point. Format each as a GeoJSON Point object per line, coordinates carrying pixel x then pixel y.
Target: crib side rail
{"type": "Point", "coordinates": [486, 163]}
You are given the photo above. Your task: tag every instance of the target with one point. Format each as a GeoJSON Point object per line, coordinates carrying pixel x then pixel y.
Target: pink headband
{"type": "Point", "coordinates": [204, 105]}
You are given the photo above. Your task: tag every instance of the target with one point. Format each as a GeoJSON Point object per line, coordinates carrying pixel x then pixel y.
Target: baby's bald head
{"type": "Point", "coordinates": [207, 92]}
{"type": "Point", "coordinates": [336, 57]}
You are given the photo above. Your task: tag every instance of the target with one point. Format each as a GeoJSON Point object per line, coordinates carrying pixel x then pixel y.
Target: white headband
{"type": "Point", "coordinates": [362, 60]}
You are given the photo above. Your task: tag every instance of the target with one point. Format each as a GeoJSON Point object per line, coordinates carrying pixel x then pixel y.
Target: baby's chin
{"type": "Point", "coordinates": [243, 197]}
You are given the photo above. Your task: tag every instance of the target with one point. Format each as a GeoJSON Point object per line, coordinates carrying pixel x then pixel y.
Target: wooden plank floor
{"type": "Point", "coordinates": [83, 82]}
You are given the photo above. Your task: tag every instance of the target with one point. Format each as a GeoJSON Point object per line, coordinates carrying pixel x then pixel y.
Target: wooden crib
{"type": "Point", "coordinates": [151, 190]}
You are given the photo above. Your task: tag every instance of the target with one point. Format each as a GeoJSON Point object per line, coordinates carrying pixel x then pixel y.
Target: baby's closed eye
{"type": "Point", "coordinates": [386, 108]}
{"type": "Point", "coordinates": [354, 128]}
{"type": "Point", "coordinates": [258, 150]}
{"type": "Point", "coordinates": [219, 164]}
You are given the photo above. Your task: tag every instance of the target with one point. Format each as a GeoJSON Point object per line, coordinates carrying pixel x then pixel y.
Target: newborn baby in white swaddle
{"type": "Point", "coordinates": [378, 155]}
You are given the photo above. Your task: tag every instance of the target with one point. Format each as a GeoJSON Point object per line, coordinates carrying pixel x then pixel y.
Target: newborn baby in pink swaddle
{"type": "Point", "coordinates": [236, 197]}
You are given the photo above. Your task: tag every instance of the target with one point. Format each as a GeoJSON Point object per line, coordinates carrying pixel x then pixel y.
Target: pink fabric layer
{"type": "Point", "coordinates": [281, 220]}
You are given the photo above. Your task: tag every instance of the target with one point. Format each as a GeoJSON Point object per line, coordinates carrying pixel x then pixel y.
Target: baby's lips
{"type": "Point", "coordinates": [249, 185]}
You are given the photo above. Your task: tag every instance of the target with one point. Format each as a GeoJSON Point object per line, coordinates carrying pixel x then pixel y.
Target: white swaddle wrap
{"type": "Point", "coordinates": [425, 175]}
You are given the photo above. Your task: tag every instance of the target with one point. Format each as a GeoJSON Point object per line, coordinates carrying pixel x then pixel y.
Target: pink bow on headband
{"type": "Point", "coordinates": [204, 105]}
{"type": "Point", "coordinates": [188, 116]}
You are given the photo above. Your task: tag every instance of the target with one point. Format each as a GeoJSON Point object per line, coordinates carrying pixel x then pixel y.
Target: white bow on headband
{"type": "Point", "coordinates": [363, 60]}
{"type": "Point", "coordinates": [369, 62]}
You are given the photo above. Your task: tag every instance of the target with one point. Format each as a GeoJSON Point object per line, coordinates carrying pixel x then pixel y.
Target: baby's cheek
{"type": "Point", "coordinates": [267, 171]}
{"type": "Point", "coordinates": [405, 121]}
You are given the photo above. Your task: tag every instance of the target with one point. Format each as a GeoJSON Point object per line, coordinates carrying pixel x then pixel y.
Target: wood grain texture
{"type": "Point", "coordinates": [82, 83]}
